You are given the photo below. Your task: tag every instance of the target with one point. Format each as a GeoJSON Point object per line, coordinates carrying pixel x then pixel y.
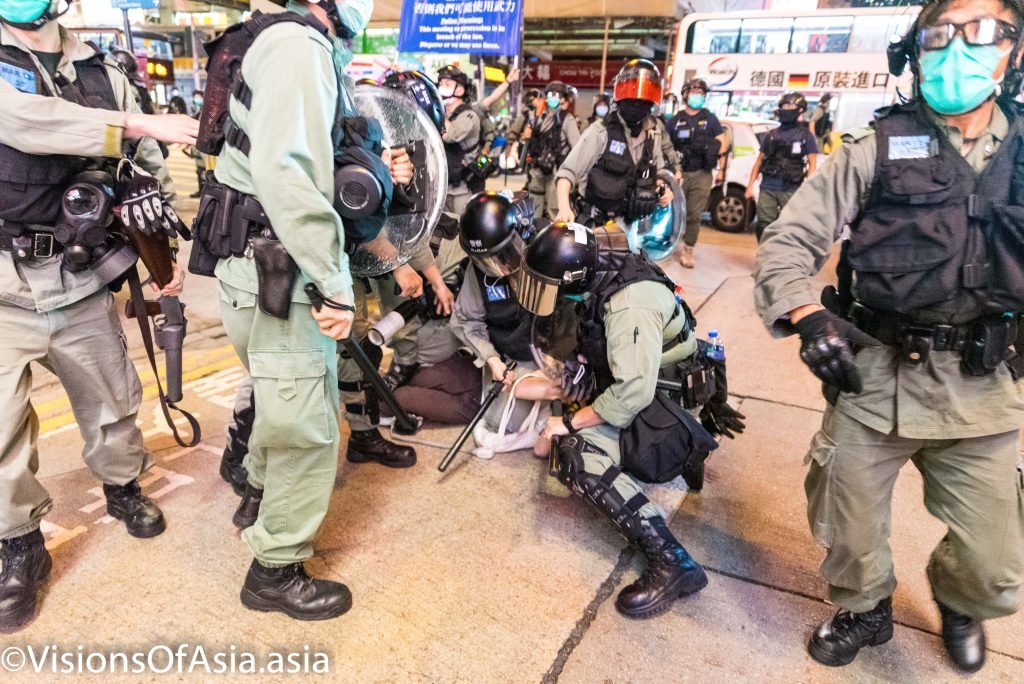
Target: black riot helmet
{"type": "Point", "coordinates": [694, 84]}
{"type": "Point", "coordinates": [126, 60]}
{"type": "Point", "coordinates": [454, 73]}
{"type": "Point", "coordinates": [422, 90]}
{"type": "Point", "coordinates": [529, 96]}
{"type": "Point", "coordinates": [493, 231]}
{"type": "Point", "coordinates": [557, 87]}
{"type": "Point", "coordinates": [638, 79]}
{"type": "Point", "coordinates": [561, 259]}
{"type": "Point", "coordinates": [794, 98]}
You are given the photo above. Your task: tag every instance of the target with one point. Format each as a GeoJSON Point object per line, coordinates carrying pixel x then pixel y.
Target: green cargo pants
{"type": "Point", "coordinates": [697, 190]}
{"type": "Point", "coordinates": [972, 485]}
{"type": "Point", "coordinates": [293, 450]}
{"type": "Point", "coordinates": [545, 199]}
{"type": "Point", "coordinates": [769, 205]}
{"type": "Point", "coordinates": [84, 346]}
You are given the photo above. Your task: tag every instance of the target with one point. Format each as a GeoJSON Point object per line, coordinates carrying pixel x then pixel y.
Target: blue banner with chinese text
{"type": "Point", "coordinates": [479, 27]}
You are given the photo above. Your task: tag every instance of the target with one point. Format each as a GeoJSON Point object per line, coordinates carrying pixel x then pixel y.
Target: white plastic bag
{"type": "Point", "coordinates": [502, 441]}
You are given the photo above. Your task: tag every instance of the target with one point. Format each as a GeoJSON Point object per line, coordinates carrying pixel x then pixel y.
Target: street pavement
{"type": "Point", "coordinates": [490, 572]}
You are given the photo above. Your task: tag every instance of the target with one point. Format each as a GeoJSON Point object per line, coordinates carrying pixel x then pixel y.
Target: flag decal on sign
{"type": "Point", "coordinates": [798, 81]}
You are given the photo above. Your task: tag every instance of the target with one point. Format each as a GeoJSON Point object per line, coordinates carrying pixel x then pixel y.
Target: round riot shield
{"type": "Point", "coordinates": [658, 235]}
{"type": "Point", "coordinates": [416, 207]}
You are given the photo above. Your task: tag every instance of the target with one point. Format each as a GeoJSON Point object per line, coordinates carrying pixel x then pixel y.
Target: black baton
{"type": "Point", "coordinates": [493, 394]}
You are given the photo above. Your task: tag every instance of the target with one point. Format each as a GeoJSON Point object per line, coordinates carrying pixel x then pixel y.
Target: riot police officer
{"type": "Point", "coordinates": [788, 155]}
{"type": "Point", "coordinates": [614, 166]}
{"type": "Point", "coordinates": [920, 355]}
{"type": "Point", "coordinates": [550, 139]}
{"type": "Point", "coordinates": [487, 317]}
{"type": "Point", "coordinates": [461, 137]}
{"type": "Point", "coordinates": [699, 139]}
{"type": "Point", "coordinates": [630, 328]}
{"type": "Point", "coordinates": [283, 163]}
{"type": "Point", "coordinates": [63, 109]}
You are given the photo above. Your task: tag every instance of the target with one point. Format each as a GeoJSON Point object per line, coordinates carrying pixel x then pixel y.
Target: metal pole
{"type": "Point", "coordinates": [128, 32]}
{"type": "Point", "coordinates": [604, 50]}
{"type": "Point", "coordinates": [195, 51]}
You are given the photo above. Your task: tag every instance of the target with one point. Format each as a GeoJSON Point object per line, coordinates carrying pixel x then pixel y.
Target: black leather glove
{"type": "Point", "coordinates": [578, 381]}
{"type": "Point", "coordinates": [722, 419]}
{"type": "Point", "coordinates": [142, 208]}
{"type": "Point", "coordinates": [827, 349]}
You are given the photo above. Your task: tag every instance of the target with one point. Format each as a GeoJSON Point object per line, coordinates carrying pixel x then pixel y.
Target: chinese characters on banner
{"type": "Point", "coordinates": [823, 80]}
{"type": "Point", "coordinates": [479, 27]}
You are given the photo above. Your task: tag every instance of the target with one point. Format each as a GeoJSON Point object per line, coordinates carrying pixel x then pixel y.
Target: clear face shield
{"type": "Point", "coordinates": [505, 260]}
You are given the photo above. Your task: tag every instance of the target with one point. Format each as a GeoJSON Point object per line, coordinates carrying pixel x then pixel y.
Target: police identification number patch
{"type": "Point", "coordinates": [22, 79]}
{"type": "Point", "coordinates": [910, 147]}
{"type": "Point", "coordinates": [617, 147]}
{"type": "Point", "coordinates": [497, 292]}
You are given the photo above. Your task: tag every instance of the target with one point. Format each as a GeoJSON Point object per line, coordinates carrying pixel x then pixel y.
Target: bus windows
{"type": "Point", "coordinates": [716, 36]}
{"type": "Point", "coordinates": [765, 36]}
{"type": "Point", "coordinates": [871, 33]}
{"type": "Point", "coordinates": [821, 34]}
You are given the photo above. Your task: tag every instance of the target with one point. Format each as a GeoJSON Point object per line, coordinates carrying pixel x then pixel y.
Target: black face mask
{"type": "Point", "coordinates": [634, 112]}
{"type": "Point", "coordinates": [788, 117]}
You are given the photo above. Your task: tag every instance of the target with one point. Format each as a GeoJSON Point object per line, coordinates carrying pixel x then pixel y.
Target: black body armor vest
{"type": "Point", "coordinates": [780, 161]}
{"type": "Point", "coordinates": [616, 271]}
{"type": "Point", "coordinates": [698, 149]}
{"type": "Point", "coordinates": [937, 241]}
{"type": "Point", "coordinates": [32, 185]}
{"type": "Point", "coordinates": [616, 177]}
{"type": "Point", "coordinates": [550, 147]}
{"type": "Point", "coordinates": [453, 152]}
{"type": "Point", "coordinates": [508, 323]}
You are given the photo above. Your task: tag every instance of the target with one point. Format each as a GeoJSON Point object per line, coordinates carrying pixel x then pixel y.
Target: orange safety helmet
{"type": "Point", "coordinates": [638, 79]}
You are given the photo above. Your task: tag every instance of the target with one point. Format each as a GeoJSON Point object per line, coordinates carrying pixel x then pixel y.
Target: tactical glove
{"type": "Point", "coordinates": [578, 381]}
{"type": "Point", "coordinates": [142, 208]}
{"type": "Point", "coordinates": [827, 349]}
{"type": "Point", "coordinates": [722, 419]}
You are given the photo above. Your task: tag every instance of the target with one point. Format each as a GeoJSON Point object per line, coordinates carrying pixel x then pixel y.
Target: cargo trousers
{"type": "Point", "coordinates": [697, 190]}
{"type": "Point", "coordinates": [974, 486]}
{"type": "Point", "coordinates": [84, 346]}
{"type": "Point", "coordinates": [293, 449]}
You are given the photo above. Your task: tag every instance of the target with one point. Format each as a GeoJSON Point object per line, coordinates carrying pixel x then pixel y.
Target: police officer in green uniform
{"type": "Point", "coordinates": [614, 166]}
{"type": "Point", "coordinates": [789, 154]}
{"type": "Point", "coordinates": [63, 109]}
{"type": "Point", "coordinates": [461, 137]}
{"type": "Point", "coordinates": [282, 156]}
{"type": "Point", "coordinates": [699, 140]}
{"type": "Point", "coordinates": [920, 354]}
{"type": "Point", "coordinates": [551, 138]}
{"type": "Point", "coordinates": [631, 327]}
{"type": "Point", "coordinates": [487, 317]}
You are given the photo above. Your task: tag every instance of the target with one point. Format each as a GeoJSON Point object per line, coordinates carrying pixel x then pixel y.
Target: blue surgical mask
{"type": "Point", "coordinates": [355, 14]}
{"type": "Point", "coordinates": [695, 101]}
{"type": "Point", "coordinates": [574, 297]}
{"type": "Point", "coordinates": [958, 78]}
{"type": "Point", "coordinates": [23, 11]}
{"type": "Point", "coordinates": [601, 110]}
{"type": "Point", "coordinates": [554, 101]}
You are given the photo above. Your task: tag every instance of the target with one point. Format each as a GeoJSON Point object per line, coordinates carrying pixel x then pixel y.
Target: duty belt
{"type": "Point", "coordinates": [894, 329]}
{"type": "Point", "coordinates": [29, 244]}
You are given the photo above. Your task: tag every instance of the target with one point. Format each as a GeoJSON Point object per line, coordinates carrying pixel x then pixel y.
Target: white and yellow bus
{"type": "Point", "coordinates": [750, 58]}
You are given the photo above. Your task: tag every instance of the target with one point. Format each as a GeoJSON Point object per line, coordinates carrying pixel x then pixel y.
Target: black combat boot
{"type": "Point", "coordinates": [26, 565]}
{"type": "Point", "coordinates": [231, 469]}
{"type": "Point", "coordinates": [368, 445]}
{"type": "Point", "coordinates": [141, 516]}
{"type": "Point", "coordinates": [291, 591]}
{"type": "Point", "coordinates": [671, 573]}
{"type": "Point", "coordinates": [248, 508]}
{"type": "Point", "coordinates": [838, 641]}
{"type": "Point", "coordinates": [399, 374]}
{"type": "Point", "coordinates": [964, 638]}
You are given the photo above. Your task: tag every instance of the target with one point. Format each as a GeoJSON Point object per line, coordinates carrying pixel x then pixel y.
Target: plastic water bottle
{"type": "Point", "coordinates": [717, 350]}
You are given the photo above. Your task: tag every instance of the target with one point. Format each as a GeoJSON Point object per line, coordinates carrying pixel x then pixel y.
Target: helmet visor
{"type": "Point", "coordinates": [504, 261]}
{"type": "Point", "coordinates": [536, 294]}
{"type": "Point", "coordinates": [638, 84]}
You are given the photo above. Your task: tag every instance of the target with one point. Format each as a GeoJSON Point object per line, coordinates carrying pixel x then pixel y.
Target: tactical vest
{"type": "Point", "coordinates": [616, 271]}
{"type": "Point", "coordinates": [615, 176]}
{"type": "Point", "coordinates": [694, 144]}
{"type": "Point", "coordinates": [224, 79]}
{"type": "Point", "coordinates": [453, 152]}
{"type": "Point", "coordinates": [32, 185]}
{"type": "Point", "coordinates": [550, 146]}
{"type": "Point", "coordinates": [508, 323]}
{"type": "Point", "coordinates": [780, 160]}
{"type": "Point", "coordinates": [936, 240]}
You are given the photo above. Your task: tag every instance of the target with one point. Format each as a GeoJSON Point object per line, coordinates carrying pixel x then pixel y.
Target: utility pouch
{"type": "Point", "coordinates": [275, 276]}
{"type": "Point", "coordinates": [697, 379]}
{"type": "Point", "coordinates": [987, 349]}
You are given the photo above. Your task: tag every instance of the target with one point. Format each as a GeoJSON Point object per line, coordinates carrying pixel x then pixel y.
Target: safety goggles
{"type": "Point", "coordinates": [988, 31]}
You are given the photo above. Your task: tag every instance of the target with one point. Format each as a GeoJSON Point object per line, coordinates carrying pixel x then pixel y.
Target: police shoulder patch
{"type": "Point", "coordinates": [23, 80]}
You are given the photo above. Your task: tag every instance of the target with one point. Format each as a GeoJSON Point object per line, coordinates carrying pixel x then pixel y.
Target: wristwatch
{"type": "Point", "coordinates": [567, 422]}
